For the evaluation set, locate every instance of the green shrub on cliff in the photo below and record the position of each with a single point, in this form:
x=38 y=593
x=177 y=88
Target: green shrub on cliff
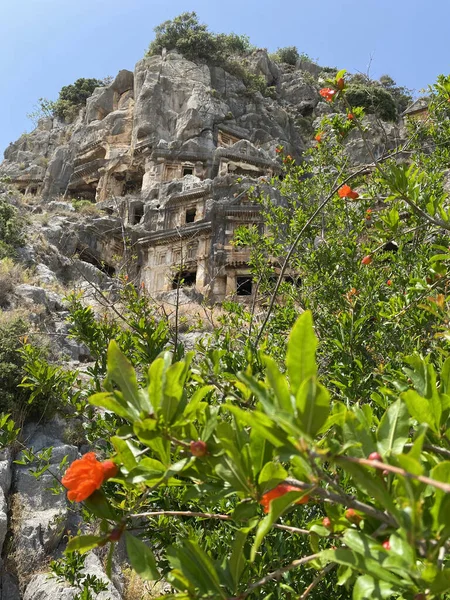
x=12 y=398
x=10 y=229
x=374 y=99
x=189 y=37
x=71 y=98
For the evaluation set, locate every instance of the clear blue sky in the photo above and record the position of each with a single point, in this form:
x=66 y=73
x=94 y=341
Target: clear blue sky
x=45 y=44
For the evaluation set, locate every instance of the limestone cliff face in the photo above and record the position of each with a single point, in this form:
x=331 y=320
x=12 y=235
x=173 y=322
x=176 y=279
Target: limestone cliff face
x=163 y=150
x=169 y=108
x=169 y=152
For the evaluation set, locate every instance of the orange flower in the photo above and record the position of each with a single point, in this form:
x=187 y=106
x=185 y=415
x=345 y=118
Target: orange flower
x=366 y=260
x=389 y=282
x=287 y=159
x=86 y=475
x=350 y=116
x=278 y=149
x=280 y=490
x=340 y=83
x=346 y=192
x=318 y=137
x=328 y=94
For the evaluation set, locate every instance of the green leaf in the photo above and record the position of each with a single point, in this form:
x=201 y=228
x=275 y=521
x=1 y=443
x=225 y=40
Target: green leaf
x=441 y=582
x=172 y=391
x=141 y=558
x=441 y=507
x=237 y=561
x=363 y=564
x=260 y=423
x=313 y=404
x=301 y=352
x=420 y=408
x=98 y=505
x=114 y=402
x=445 y=377
x=197 y=568
x=368 y=588
x=393 y=430
x=244 y=511
x=149 y=469
x=83 y=543
x=370 y=483
x=355 y=433
x=124 y=452
x=195 y=401
x=121 y=371
x=279 y=384
x=109 y=561
x=156 y=376
x=363 y=544
x=271 y=475
x=278 y=506
x=233 y=475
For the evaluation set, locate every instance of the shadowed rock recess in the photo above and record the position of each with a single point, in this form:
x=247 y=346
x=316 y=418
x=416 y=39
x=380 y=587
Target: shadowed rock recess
x=166 y=155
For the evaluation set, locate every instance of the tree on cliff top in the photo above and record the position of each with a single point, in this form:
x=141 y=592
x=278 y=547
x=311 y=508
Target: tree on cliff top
x=189 y=37
x=71 y=98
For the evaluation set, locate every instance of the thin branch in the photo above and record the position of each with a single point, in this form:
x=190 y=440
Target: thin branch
x=202 y=515
x=376 y=464
x=344 y=499
x=276 y=575
x=317 y=580
x=431 y=448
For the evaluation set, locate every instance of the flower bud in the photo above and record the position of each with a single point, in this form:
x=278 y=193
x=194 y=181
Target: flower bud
x=375 y=456
x=198 y=448
x=352 y=516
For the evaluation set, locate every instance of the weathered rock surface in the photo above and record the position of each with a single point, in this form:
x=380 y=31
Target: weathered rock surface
x=40 y=517
x=43 y=587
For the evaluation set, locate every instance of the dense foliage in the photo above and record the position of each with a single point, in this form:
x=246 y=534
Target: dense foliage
x=11 y=235
x=11 y=366
x=189 y=37
x=71 y=98
x=288 y=55
x=303 y=448
x=384 y=98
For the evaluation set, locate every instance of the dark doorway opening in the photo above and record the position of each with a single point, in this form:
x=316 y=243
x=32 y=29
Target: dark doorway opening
x=244 y=285
x=190 y=215
x=184 y=279
x=138 y=213
x=188 y=171
x=133 y=182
